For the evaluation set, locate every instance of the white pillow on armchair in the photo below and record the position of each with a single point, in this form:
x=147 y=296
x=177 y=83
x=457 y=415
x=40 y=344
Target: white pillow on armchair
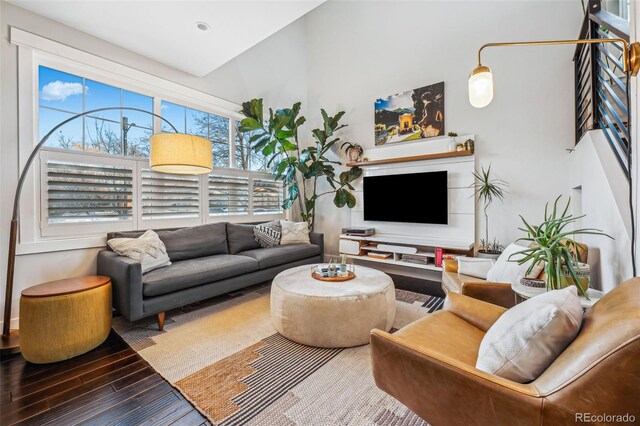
x=506 y=271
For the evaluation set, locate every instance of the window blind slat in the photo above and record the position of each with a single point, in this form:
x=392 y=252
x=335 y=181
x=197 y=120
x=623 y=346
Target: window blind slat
x=267 y=196
x=80 y=192
x=166 y=195
x=228 y=195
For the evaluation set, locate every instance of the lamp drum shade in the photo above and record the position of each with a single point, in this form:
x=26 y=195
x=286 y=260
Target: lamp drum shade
x=180 y=154
x=480 y=87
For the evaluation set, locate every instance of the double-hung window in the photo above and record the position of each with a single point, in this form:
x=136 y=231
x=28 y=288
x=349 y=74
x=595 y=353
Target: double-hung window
x=94 y=171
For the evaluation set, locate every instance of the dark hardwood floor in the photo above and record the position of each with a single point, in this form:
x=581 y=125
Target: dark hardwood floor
x=111 y=385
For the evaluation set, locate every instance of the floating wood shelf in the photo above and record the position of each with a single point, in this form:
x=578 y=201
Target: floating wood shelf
x=411 y=158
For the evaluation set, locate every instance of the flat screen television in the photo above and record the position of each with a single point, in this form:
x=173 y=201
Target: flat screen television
x=410 y=198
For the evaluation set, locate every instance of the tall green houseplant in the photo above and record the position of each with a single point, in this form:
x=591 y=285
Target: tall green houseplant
x=488 y=189
x=300 y=169
x=551 y=243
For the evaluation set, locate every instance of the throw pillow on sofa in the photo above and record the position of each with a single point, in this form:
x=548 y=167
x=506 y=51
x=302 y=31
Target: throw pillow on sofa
x=268 y=234
x=474 y=266
x=527 y=338
x=508 y=271
x=148 y=249
x=294 y=232
x=240 y=238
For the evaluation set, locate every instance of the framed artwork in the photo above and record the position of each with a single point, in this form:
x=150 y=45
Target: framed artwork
x=411 y=115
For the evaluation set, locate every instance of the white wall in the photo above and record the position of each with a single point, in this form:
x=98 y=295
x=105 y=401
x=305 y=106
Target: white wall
x=604 y=199
x=276 y=70
x=288 y=77
x=359 y=51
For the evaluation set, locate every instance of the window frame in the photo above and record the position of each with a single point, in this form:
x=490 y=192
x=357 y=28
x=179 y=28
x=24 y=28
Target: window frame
x=34 y=51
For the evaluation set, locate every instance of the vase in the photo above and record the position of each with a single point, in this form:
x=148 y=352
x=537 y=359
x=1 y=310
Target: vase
x=354 y=154
x=453 y=144
x=583 y=272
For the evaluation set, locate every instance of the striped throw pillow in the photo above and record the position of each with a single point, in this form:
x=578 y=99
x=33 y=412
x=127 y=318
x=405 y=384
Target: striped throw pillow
x=268 y=234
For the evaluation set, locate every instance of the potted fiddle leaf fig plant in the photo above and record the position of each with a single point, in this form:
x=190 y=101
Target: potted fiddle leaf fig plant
x=301 y=170
x=488 y=189
x=353 y=150
x=551 y=243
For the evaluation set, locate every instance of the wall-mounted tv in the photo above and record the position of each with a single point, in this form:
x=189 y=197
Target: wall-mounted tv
x=410 y=198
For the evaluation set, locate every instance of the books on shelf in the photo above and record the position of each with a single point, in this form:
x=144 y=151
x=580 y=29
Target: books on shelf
x=376 y=255
x=421 y=260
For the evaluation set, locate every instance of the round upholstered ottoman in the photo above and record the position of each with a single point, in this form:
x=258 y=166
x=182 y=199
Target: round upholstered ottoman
x=65 y=318
x=332 y=314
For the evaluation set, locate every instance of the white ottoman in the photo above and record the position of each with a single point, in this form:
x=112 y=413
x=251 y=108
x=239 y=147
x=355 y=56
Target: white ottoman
x=328 y=314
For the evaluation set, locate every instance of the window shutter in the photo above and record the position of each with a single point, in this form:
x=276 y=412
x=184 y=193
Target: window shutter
x=79 y=192
x=167 y=195
x=228 y=195
x=267 y=196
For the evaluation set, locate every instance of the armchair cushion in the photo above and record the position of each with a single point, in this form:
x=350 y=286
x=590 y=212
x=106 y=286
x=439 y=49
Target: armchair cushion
x=475 y=266
x=527 y=338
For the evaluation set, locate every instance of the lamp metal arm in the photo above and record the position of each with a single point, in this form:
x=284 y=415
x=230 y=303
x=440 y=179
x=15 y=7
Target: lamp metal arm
x=625 y=48
x=13 y=234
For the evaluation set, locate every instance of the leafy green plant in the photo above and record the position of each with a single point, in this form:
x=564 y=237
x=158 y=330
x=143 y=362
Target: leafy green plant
x=553 y=245
x=298 y=168
x=452 y=134
x=488 y=189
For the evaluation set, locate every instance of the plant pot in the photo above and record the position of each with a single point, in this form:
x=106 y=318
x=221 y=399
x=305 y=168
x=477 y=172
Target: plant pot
x=489 y=254
x=583 y=271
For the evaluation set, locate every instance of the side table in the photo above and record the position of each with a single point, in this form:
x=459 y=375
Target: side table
x=523 y=293
x=65 y=318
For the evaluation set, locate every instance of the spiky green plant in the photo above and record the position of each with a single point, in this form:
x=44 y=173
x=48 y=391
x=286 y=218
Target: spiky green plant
x=488 y=189
x=554 y=246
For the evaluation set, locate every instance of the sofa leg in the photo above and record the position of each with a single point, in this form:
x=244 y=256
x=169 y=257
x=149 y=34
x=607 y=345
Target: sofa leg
x=160 y=319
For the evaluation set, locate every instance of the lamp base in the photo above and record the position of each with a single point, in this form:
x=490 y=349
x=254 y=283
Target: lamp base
x=11 y=344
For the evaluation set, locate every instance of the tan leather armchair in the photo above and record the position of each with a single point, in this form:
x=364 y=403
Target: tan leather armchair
x=497 y=293
x=429 y=366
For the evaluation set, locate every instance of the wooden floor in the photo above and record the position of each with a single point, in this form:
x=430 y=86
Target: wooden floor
x=110 y=385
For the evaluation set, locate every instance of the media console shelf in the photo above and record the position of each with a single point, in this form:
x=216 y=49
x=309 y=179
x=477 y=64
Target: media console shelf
x=420 y=251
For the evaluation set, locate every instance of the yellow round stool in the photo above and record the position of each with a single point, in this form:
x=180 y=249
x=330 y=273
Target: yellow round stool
x=65 y=318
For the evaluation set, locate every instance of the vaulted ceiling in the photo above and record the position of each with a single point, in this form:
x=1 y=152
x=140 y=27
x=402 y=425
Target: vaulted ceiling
x=168 y=32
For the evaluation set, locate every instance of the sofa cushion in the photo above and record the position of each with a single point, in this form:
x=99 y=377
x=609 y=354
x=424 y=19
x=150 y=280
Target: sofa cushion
x=193 y=272
x=445 y=333
x=269 y=257
x=195 y=241
x=187 y=243
x=240 y=238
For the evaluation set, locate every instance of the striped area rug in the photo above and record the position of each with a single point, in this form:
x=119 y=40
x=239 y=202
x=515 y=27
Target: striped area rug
x=227 y=359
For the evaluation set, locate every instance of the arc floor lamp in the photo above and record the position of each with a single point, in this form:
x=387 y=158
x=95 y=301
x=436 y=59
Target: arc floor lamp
x=170 y=153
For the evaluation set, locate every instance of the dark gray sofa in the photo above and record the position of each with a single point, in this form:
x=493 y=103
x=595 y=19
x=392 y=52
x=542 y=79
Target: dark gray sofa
x=207 y=260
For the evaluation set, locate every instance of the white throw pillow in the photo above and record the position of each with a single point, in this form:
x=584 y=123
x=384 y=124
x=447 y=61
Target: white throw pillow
x=148 y=249
x=508 y=271
x=527 y=338
x=474 y=266
x=294 y=233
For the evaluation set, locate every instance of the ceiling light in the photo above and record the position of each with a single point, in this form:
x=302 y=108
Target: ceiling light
x=203 y=26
